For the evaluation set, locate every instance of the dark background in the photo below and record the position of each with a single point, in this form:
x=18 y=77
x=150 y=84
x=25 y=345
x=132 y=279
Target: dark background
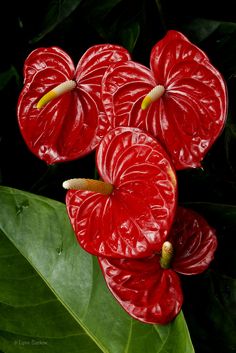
x=210 y=304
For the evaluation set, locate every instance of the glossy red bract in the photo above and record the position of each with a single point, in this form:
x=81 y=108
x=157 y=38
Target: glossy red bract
x=150 y=293
x=194 y=242
x=135 y=219
x=67 y=127
x=190 y=115
x=146 y=291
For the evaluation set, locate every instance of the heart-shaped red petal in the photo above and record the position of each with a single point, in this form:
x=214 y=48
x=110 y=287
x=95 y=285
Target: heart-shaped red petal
x=146 y=291
x=123 y=88
x=66 y=128
x=191 y=113
x=194 y=242
x=134 y=220
x=48 y=58
x=174 y=49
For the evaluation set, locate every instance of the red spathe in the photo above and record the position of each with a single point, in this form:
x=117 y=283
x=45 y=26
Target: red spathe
x=150 y=293
x=67 y=127
x=191 y=113
x=134 y=220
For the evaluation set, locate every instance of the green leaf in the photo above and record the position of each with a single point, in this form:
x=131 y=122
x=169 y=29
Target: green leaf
x=39 y=228
x=201 y=28
x=218 y=39
x=31 y=316
x=210 y=297
x=223 y=218
x=129 y=35
x=7 y=76
x=54 y=13
x=209 y=307
x=97 y=10
x=115 y=21
x=230 y=142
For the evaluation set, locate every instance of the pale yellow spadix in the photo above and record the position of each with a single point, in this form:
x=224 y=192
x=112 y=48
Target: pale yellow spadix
x=57 y=91
x=152 y=96
x=166 y=254
x=172 y=176
x=88 y=185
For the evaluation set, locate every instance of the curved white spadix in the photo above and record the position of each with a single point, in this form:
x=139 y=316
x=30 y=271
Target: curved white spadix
x=152 y=96
x=88 y=185
x=64 y=87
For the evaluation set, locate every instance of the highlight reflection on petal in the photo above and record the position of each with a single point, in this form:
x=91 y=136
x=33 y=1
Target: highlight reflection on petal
x=191 y=113
x=146 y=291
x=194 y=242
x=66 y=128
x=134 y=220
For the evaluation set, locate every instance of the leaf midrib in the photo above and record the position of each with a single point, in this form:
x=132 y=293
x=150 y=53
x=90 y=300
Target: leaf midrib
x=87 y=331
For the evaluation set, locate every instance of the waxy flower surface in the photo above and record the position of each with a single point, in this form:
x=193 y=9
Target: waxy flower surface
x=132 y=217
x=149 y=289
x=144 y=124
x=59 y=109
x=181 y=99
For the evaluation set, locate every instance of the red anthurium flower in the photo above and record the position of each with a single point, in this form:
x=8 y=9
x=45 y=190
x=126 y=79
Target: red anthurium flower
x=194 y=242
x=130 y=212
x=149 y=289
x=59 y=108
x=181 y=100
x=145 y=290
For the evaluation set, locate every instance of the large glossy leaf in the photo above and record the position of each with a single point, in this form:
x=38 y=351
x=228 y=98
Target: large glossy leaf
x=214 y=295
x=104 y=17
x=230 y=139
x=129 y=35
x=53 y=14
x=214 y=292
x=97 y=10
x=40 y=230
x=218 y=40
x=7 y=76
x=32 y=318
x=223 y=218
